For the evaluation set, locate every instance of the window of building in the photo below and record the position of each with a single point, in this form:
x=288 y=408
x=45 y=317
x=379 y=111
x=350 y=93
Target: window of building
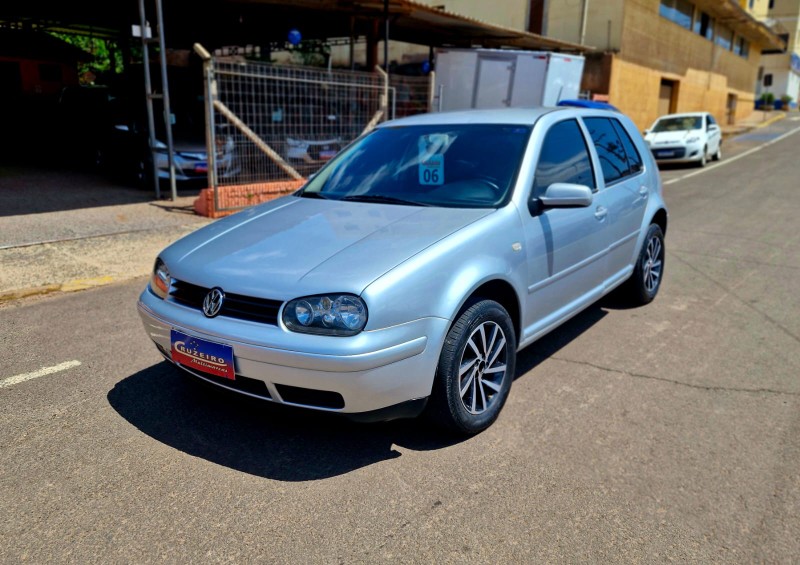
x=768 y=79
x=678 y=11
x=741 y=47
x=771 y=4
x=704 y=25
x=564 y=158
x=50 y=72
x=724 y=37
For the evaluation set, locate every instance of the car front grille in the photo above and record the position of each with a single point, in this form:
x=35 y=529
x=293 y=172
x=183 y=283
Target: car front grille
x=262 y=310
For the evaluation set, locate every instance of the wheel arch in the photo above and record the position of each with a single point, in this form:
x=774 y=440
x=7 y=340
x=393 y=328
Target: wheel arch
x=660 y=218
x=502 y=292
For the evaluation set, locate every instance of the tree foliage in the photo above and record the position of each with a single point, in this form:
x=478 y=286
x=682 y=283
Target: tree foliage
x=106 y=52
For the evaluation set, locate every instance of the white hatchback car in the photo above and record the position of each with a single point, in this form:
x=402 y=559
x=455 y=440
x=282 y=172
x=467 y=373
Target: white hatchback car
x=685 y=138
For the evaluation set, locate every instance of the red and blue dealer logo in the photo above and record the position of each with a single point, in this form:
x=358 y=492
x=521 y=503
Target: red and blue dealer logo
x=201 y=355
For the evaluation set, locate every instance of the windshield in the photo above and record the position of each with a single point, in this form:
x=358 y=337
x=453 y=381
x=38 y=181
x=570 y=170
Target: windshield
x=456 y=166
x=678 y=124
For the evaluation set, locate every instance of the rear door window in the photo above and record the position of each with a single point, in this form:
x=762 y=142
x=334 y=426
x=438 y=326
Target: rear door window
x=634 y=158
x=615 y=149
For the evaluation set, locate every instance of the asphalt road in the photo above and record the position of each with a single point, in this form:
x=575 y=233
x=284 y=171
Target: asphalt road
x=669 y=432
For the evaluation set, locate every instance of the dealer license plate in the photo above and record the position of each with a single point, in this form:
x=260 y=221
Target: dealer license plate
x=666 y=153
x=202 y=355
x=201 y=167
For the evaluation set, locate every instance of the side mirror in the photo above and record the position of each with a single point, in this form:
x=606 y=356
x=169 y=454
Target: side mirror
x=566 y=195
x=647 y=131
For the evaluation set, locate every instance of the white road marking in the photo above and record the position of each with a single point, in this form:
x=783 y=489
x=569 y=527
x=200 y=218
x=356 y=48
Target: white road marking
x=794 y=119
x=734 y=158
x=11 y=381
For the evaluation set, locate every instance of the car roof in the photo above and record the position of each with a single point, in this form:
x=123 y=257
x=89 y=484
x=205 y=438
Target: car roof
x=683 y=115
x=521 y=116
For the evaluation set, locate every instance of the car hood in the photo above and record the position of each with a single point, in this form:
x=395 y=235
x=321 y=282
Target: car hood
x=666 y=137
x=297 y=246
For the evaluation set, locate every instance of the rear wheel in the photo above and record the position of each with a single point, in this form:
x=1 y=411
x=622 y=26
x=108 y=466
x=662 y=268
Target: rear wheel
x=718 y=154
x=475 y=369
x=704 y=157
x=645 y=281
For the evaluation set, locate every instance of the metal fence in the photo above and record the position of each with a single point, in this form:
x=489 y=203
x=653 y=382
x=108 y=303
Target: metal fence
x=273 y=123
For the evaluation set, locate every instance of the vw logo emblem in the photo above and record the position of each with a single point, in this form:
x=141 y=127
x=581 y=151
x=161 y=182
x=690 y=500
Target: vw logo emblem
x=212 y=303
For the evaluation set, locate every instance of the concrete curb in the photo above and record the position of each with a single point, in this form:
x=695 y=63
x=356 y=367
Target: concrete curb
x=771 y=121
x=69 y=286
x=751 y=127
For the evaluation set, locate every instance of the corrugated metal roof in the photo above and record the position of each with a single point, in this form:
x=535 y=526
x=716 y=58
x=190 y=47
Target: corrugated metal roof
x=414 y=22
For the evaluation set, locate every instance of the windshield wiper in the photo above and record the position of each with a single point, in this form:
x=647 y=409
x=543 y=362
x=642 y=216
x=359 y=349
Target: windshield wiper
x=382 y=199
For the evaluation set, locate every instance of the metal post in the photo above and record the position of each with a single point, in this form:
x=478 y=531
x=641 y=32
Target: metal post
x=211 y=95
x=386 y=35
x=167 y=112
x=584 y=14
x=151 y=127
x=352 y=43
x=431 y=92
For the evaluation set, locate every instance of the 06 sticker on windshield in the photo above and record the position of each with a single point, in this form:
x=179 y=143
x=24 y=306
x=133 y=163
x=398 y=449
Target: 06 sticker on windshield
x=431 y=158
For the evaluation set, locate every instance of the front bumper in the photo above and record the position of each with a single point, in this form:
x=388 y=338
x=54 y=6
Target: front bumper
x=677 y=154
x=372 y=371
x=194 y=166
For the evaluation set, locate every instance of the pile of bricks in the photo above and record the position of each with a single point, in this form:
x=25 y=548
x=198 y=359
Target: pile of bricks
x=233 y=198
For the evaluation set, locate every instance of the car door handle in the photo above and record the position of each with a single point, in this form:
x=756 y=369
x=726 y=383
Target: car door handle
x=643 y=191
x=600 y=213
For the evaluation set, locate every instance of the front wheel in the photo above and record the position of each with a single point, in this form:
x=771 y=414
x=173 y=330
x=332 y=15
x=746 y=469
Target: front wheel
x=475 y=369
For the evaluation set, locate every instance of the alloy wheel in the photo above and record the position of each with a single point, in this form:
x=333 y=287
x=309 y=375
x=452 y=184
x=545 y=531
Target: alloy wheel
x=652 y=264
x=482 y=368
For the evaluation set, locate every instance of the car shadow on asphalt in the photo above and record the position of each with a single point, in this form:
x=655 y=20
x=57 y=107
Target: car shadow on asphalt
x=284 y=443
x=256 y=436
x=547 y=346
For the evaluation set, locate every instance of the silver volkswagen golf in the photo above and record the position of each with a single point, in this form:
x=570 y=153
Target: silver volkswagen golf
x=405 y=276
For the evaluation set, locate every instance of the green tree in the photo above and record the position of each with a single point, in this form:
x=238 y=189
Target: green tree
x=106 y=52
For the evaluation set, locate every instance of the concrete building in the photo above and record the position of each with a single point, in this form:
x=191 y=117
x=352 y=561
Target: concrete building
x=780 y=68
x=662 y=56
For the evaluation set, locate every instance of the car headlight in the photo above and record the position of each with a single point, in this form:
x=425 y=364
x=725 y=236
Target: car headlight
x=328 y=314
x=160 y=281
x=693 y=139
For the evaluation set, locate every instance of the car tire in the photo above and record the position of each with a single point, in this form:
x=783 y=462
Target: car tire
x=142 y=173
x=475 y=370
x=704 y=157
x=648 y=272
x=718 y=154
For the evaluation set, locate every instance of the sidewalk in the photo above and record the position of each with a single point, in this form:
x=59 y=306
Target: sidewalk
x=755 y=120
x=66 y=230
